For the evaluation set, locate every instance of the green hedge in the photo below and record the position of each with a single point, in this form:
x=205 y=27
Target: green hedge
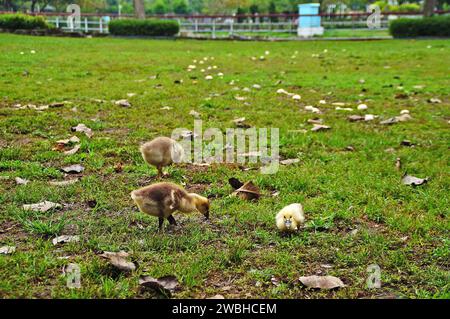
x=150 y=27
x=438 y=26
x=22 y=21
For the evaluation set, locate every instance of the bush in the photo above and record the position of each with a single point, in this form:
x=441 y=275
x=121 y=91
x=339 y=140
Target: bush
x=149 y=27
x=22 y=21
x=426 y=27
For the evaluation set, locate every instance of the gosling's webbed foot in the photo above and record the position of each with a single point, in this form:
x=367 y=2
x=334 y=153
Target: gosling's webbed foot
x=172 y=220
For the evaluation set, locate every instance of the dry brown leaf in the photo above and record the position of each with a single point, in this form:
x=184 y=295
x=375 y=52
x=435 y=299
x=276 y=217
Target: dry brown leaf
x=123 y=103
x=84 y=129
x=7 y=250
x=73 y=139
x=41 y=207
x=166 y=284
x=321 y=282
x=73 y=150
x=117 y=259
x=21 y=181
x=65 y=239
x=73 y=169
x=216 y=297
x=413 y=181
x=64 y=183
x=248 y=191
x=289 y=161
x=318 y=127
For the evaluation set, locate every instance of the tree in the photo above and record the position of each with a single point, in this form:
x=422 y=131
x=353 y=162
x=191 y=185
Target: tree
x=254 y=10
x=160 y=7
x=239 y=12
x=180 y=7
x=273 y=10
x=139 y=10
x=428 y=8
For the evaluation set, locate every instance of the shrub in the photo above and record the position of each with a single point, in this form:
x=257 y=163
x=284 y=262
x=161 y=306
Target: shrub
x=433 y=26
x=22 y=21
x=150 y=27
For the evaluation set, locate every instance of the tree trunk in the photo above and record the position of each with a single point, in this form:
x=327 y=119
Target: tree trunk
x=139 y=10
x=33 y=5
x=428 y=7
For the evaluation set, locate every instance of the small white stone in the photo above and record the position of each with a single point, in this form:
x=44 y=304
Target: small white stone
x=296 y=97
x=362 y=107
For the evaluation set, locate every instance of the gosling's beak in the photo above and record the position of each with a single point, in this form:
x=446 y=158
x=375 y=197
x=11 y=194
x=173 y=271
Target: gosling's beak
x=288 y=224
x=207 y=214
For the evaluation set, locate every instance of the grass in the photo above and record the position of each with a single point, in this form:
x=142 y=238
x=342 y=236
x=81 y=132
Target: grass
x=328 y=33
x=404 y=230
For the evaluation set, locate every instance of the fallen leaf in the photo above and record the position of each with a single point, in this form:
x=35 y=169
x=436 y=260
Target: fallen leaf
x=248 y=191
x=289 y=161
x=64 y=183
x=123 y=103
x=21 y=181
x=355 y=118
x=117 y=259
x=73 y=139
x=413 y=181
x=41 y=207
x=315 y=121
x=166 y=284
x=321 y=282
x=7 y=250
x=73 y=150
x=84 y=129
x=216 y=297
x=434 y=100
x=73 y=169
x=318 y=127
x=235 y=183
x=389 y=121
x=344 y=108
x=65 y=239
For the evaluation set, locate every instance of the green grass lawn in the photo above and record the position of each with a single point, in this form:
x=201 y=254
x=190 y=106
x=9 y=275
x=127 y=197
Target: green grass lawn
x=358 y=212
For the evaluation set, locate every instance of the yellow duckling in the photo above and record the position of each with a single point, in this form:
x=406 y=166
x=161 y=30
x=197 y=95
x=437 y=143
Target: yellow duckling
x=290 y=218
x=163 y=199
x=162 y=151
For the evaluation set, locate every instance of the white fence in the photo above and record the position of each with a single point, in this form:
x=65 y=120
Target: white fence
x=91 y=24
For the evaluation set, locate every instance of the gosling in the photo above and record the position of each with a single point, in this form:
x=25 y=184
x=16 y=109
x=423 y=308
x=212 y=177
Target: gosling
x=163 y=199
x=290 y=218
x=162 y=151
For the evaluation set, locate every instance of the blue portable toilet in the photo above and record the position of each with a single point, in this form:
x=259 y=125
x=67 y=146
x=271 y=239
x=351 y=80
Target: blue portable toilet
x=310 y=24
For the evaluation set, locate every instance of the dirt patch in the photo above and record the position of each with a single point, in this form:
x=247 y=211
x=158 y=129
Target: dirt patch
x=11 y=230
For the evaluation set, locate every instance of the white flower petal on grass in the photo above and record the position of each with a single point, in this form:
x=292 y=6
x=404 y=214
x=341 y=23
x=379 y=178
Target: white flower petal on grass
x=296 y=97
x=208 y=77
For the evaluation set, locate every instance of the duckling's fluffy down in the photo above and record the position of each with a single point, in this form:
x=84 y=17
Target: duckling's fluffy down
x=162 y=151
x=290 y=218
